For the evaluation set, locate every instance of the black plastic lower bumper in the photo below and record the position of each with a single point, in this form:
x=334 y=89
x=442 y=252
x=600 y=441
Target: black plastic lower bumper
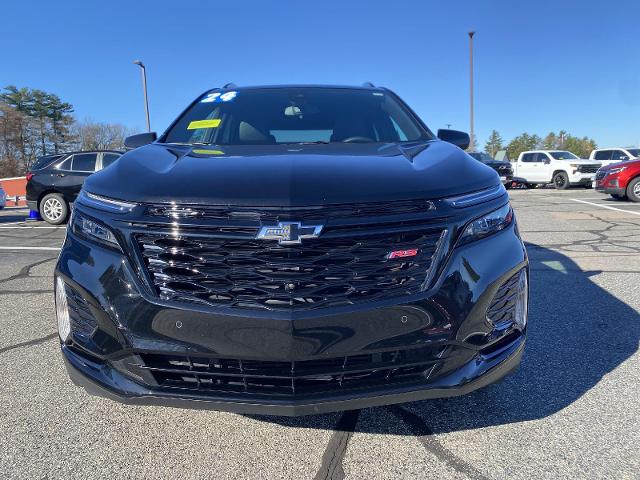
x=101 y=380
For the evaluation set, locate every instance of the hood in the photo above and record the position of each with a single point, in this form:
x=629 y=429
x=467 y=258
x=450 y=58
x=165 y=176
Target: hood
x=291 y=175
x=498 y=163
x=609 y=164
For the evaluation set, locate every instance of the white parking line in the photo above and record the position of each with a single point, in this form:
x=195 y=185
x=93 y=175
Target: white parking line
x=606 y=206
x=23 y=227
x=12 y=223
x=55 y=249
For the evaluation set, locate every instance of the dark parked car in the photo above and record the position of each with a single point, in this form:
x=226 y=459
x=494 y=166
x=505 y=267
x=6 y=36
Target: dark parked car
x=55 y=181
x=292 y=250
x=504 y=169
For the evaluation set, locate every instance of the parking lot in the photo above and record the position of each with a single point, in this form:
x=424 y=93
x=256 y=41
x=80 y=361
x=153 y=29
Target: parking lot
x=570 y=412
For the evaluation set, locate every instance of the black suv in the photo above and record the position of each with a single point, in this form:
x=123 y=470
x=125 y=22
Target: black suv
x=504 y=169
x=55 y=181
x=292 y=250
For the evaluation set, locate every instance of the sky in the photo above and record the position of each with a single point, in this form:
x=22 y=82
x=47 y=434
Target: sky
x=540 y=66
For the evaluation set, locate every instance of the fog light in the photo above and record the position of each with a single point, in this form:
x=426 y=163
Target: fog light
x=62 y=310
x=522 y=300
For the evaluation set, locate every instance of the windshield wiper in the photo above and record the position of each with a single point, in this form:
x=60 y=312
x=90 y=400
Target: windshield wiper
x=318 y=142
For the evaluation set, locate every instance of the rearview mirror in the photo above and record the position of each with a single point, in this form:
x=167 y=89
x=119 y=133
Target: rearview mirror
x=459 y=139
x=140 y=140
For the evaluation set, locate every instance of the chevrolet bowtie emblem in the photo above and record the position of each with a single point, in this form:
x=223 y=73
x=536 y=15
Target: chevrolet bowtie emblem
x=289 y=232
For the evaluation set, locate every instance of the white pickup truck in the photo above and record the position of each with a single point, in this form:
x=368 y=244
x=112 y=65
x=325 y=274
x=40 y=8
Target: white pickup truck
x=562 y=168
x=607 y=156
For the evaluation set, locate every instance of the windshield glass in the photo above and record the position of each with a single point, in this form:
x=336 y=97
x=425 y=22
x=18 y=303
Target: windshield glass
x=483 y=157
x=270 y=116
x=563 y=156
x=634 y=152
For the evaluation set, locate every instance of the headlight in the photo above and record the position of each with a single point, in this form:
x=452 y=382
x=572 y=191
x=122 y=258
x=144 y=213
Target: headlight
x=616 y=170
x=487 y=225
x=62 y=310
x=103 y=203
x=93 y=230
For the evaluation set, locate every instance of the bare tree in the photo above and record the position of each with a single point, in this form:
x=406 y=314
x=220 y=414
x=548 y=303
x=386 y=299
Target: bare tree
x=91 y=135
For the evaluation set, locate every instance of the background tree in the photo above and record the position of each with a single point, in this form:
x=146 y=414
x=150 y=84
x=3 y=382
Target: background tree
x=90 y=135
x=522 y=143
x=494 y=144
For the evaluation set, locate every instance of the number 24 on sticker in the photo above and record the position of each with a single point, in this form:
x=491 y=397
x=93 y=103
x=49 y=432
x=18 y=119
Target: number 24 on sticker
x=216 y=97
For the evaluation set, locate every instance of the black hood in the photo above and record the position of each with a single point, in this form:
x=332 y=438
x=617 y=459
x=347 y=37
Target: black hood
x=291 y=175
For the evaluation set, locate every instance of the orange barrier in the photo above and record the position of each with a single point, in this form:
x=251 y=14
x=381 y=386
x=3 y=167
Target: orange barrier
x=15 y=187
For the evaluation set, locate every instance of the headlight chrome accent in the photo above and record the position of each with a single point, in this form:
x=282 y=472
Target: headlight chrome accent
x=475 y=198
x=616 y=170
x=105 y=204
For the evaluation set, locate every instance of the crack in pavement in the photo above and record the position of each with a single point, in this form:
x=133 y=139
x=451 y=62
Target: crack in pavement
x=426 y=437
x=331 y=466
x=29 y=343
x=26 y=270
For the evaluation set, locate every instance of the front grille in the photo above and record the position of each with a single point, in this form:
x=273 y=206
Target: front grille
x=83 y=324
x=504 y=170
x=588 y=168
x=275 y=214
x=212 y=374
x=601 y=174
x=262 y=274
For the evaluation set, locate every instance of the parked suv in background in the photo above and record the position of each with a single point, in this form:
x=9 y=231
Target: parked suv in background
x=620 y=180
x=562 y=168
x=55 y=181
x=504 y=169
x=292 y=250
x=608 y=156
x=3 y=198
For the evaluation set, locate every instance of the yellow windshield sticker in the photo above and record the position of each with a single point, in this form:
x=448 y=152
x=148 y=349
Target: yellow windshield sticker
x=213 y=123
x=208 y=152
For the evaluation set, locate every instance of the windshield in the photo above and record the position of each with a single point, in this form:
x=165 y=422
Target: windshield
x=270 y=116
x=634 y=152
x=563 y=156
x=483 y=157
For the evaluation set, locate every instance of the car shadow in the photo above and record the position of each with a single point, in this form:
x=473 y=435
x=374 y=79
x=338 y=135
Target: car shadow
x=578 y=332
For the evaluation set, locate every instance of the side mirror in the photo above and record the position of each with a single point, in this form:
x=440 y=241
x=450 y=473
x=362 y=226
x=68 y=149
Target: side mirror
x=459 y=139
x=140 y=140
x=624 y=158
x=547 y=161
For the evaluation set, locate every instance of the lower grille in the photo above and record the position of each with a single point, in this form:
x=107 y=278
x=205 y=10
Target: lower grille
x=209 y=374
x=83 y=324
x=262 y=274
x=502 y=311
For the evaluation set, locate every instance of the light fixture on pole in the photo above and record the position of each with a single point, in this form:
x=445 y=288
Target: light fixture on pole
x=472 y=136
x=144 y=89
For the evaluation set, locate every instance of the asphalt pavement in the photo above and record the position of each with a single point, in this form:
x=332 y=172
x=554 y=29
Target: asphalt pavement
x=570 y=412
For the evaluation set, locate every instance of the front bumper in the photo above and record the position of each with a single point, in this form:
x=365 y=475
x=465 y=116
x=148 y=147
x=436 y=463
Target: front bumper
x=100 y=380
x=580 y=178
x=450 y=317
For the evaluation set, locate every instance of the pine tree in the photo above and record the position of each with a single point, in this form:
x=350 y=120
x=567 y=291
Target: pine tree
x=494 y=144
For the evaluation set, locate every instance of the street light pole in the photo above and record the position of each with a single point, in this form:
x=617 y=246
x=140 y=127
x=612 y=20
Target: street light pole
x=144 y=89
x=472 y=136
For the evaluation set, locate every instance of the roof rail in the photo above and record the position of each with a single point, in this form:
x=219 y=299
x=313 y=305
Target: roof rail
x=230 y=85
x=368 y=84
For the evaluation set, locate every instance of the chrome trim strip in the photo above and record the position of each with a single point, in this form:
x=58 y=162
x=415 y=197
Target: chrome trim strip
x=104 y=203
x=475 y=198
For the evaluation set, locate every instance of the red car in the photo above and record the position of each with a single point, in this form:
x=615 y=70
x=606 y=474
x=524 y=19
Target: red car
x=620 y=180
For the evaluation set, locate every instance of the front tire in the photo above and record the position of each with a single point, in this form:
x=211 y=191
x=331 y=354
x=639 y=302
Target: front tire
x=561 y=181
x=633 y=190
x=54 y=209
